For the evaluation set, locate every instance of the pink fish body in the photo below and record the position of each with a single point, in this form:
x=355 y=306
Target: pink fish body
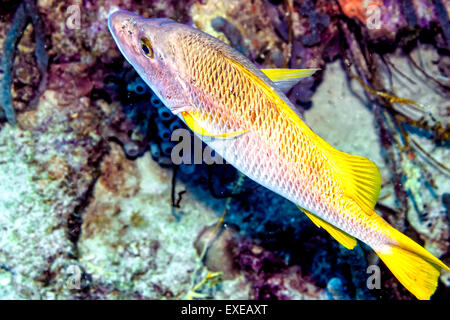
x=242 y=113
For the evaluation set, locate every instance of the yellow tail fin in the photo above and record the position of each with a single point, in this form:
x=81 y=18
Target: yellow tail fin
x=415 y=268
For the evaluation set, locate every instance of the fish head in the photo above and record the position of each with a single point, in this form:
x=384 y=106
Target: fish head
x=149 y=46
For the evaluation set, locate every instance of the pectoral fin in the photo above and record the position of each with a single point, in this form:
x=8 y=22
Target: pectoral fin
x=192 y=120
x=340 y=236
x=285 y=79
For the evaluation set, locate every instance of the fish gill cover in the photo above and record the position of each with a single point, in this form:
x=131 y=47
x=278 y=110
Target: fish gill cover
x=93 y=207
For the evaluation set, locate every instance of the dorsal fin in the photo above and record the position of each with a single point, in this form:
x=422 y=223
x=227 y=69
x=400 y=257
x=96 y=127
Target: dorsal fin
x=342 y=237
x=285 y=79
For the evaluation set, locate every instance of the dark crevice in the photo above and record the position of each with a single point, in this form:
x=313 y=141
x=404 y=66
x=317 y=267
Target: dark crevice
x=75 y=219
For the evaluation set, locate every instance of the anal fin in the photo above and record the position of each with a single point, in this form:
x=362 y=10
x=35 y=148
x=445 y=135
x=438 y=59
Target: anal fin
x=340 y=236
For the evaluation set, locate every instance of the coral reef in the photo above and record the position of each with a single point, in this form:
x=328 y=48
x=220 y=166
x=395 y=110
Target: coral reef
x=45 y=181
x=134 y=246
x=92 y=207
x=26 y=10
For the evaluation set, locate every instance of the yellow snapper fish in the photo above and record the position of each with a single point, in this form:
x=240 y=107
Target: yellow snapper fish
x=242 y=113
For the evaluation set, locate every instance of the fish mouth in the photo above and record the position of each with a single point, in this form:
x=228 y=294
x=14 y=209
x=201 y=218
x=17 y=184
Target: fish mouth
x=124 y=28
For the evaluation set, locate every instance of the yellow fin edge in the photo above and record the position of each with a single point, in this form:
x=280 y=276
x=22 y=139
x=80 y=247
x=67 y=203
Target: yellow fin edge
x=193 y=124
x=416 y=268
x=418 y=275
x=287 y=74
x=340 y=236
x=360 y=177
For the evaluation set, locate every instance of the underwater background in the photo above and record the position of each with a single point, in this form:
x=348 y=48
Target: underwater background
x=91 y=206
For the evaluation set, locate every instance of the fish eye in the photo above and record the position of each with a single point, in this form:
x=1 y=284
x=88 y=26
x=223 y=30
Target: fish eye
x=146 y=47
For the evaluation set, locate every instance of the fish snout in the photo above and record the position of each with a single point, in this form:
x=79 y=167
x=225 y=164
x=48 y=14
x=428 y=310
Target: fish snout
x=123 y=22
x=125 y=28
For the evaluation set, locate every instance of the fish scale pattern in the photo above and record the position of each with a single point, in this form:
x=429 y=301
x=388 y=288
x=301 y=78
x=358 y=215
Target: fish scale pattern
x=275 y=151
x=227 y=100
